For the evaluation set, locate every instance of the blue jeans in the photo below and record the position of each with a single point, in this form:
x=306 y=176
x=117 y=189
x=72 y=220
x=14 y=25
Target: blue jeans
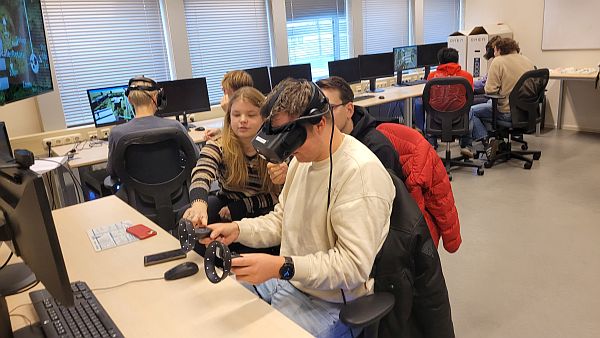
x=318 y=317
x=482 y=113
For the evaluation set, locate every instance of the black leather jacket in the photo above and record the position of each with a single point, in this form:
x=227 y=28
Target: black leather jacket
x=408 y=266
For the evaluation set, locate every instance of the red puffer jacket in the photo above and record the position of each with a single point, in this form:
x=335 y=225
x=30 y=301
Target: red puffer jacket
x=427 y=182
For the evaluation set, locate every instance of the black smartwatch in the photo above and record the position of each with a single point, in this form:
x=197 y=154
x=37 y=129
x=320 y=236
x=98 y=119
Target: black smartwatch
x=286 y=272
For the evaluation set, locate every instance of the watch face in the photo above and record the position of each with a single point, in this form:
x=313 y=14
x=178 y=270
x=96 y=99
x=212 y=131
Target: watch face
x=287 y=272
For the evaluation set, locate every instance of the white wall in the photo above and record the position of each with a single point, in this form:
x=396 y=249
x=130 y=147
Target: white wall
x=21 y=117
x=582 y=102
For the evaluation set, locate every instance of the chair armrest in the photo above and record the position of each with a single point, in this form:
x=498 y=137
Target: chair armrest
x=494 y=96
x=367 y=310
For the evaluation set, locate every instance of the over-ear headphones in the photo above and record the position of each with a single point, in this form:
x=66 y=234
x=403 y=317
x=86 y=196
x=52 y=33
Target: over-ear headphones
x=277 y=144
x=161 y=99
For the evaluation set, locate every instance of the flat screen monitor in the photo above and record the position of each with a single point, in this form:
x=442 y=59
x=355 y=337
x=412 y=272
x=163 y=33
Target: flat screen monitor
x=110 y=106
x=346 y=69
x=280 y=73
x=405 y=58
x=26 y=213
x=374 y=66
x=24 y=63
x=185 y=96
x=260 y=78
x=6 y=153
x=427 y=54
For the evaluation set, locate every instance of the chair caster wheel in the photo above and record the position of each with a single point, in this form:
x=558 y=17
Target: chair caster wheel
x=487 y=164
x=527 y=165
x=524 y=147
x=480 y=172
x=537 y=156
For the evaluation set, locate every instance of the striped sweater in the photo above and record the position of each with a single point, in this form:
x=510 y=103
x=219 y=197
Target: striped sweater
x=244 y=200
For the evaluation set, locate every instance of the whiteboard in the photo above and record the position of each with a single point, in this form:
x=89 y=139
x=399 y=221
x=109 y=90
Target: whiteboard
x=571 y=24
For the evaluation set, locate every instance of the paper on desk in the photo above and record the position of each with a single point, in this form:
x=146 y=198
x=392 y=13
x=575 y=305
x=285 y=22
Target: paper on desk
x=110 y=236
x=43 y=165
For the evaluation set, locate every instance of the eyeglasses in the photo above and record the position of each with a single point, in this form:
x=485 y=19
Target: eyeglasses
x=333 y=106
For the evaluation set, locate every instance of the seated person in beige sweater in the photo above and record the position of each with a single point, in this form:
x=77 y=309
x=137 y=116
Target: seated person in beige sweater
x=327 y=251
x=505 y=70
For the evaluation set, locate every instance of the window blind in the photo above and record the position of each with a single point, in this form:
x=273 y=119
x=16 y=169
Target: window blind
x=102 y=43
x=440 y=18
x=317 y=33
x=226 y=35
x=385 y=25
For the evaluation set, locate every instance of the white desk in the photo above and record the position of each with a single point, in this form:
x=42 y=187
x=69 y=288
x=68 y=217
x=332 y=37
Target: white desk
x=564 y=76
x=392 y=94
x=188 y=307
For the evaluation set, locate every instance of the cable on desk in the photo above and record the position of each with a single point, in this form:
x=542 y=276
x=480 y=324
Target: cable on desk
x=128 y=282
x=22 y=316
x=7 y=260
x=16 y=307
x=79 y=197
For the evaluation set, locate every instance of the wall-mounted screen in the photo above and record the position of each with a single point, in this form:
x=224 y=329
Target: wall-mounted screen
x=24 y=63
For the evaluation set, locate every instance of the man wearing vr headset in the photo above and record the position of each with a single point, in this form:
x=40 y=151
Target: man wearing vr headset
x=145 y=96
x=328 y=240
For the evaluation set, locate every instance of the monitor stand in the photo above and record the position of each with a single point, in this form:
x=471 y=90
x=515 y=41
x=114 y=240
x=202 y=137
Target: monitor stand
x=373 y=86
x=185 y=123
x=13 y=278
x=398 y=78
x=427 y=70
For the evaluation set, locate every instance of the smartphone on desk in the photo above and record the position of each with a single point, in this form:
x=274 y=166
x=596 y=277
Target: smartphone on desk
x=165 y=256
x=141 y=231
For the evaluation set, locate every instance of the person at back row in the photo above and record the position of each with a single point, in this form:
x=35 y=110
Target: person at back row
x=448 y=60
x=505 y=70
x=143 y=96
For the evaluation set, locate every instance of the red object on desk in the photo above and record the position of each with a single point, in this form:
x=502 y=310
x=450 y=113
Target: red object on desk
x=141 y=231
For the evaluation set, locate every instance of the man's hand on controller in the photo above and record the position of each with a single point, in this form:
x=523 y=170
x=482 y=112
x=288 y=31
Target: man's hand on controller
x=223 y=232
x=256 y=268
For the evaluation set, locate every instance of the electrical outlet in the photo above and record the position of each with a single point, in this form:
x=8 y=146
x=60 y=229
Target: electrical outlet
x=61 y=140
x=104 y=132
x=92 y=135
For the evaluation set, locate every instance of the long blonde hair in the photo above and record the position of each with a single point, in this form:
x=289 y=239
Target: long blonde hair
x=233 y=153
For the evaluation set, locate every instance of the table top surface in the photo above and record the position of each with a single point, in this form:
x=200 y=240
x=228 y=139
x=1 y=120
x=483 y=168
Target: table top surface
x=566 y=74
x=391 y=94
x=186 y=307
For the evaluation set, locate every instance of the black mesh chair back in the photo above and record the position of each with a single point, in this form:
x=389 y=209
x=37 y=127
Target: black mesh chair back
x=154 y=168
x=447 y=102
x=525 y=100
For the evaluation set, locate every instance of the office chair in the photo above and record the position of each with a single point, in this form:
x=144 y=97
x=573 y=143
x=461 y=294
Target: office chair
x=527 y=105
x=154 y=168
x=411 y=298
x=447 y=102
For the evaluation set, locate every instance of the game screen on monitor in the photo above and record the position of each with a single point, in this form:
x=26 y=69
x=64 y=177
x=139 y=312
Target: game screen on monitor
x=110 y=106
x=24 y=65
x=405 y=57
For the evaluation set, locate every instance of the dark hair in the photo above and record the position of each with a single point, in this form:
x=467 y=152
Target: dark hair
x=447 y=55
x=339 y=84
x=489 y=47
x=507 y=46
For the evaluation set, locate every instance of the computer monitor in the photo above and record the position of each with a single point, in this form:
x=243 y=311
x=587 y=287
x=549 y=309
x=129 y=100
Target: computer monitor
x=346 y=69
x=280 y=73
x=185 y=96
x=373 y=66
x=6 y=153
x=26 y=225
x=110 y=106
x=405 y=58
x=427 y=54
x=260 y=77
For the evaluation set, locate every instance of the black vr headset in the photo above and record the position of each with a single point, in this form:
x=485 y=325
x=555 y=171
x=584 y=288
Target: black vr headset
x=277 y=144
x=161 y=98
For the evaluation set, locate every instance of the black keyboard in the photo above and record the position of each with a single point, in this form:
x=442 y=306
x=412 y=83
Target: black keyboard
x=363 y=97
x=413 y=82
x=87 y=318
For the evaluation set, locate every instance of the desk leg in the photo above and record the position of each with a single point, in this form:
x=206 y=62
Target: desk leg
x=559 y=115
x=408 y=112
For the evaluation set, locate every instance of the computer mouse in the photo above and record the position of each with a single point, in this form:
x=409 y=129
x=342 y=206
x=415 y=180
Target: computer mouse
x=381 y=97
x=201 y=128
x=182 y=270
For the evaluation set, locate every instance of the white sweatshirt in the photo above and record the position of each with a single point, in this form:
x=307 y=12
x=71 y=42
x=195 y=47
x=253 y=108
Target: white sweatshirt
x=331 y=250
